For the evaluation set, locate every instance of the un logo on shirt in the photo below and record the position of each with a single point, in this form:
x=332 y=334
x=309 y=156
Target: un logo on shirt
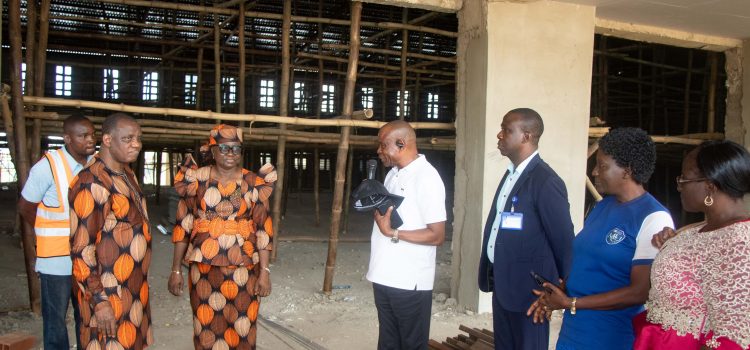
x=615 y=236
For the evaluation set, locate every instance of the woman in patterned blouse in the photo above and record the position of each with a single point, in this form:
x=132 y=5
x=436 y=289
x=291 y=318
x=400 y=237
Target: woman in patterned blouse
x=700 y=281
x=224 y=232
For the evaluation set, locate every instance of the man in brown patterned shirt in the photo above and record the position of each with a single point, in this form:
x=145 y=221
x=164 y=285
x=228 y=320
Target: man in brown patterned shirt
x=111 y=243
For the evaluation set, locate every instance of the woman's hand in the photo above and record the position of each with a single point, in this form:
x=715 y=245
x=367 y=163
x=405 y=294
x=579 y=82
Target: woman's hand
x=662 y=237
x=554 y=298
x=263 y=286
x=174 y=284
x=539 y=311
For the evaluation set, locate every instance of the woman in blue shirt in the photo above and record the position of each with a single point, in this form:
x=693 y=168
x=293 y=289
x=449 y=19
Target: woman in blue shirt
x=612 y=255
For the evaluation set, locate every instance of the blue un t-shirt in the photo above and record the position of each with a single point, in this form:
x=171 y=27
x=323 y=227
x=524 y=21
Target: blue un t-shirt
x=615 y=237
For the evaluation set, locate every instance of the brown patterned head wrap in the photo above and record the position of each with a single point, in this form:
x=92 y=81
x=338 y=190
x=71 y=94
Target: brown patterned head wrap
x=223 y=133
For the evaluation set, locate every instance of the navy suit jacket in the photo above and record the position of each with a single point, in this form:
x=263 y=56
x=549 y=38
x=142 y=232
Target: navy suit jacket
x=543 y=245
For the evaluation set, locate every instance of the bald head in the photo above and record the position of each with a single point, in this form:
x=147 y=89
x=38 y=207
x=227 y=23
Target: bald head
x=398 y=144
x=400 y=130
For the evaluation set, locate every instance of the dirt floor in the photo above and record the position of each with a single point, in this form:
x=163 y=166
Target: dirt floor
x=296 y=315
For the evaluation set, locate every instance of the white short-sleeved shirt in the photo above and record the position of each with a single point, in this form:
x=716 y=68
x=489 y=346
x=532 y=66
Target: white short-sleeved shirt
x=407 y=265
x=40 y=188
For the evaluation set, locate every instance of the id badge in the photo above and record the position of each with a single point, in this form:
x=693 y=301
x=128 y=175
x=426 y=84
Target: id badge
x=511 y=221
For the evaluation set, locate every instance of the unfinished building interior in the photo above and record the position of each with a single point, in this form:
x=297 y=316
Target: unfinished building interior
x=311 y=96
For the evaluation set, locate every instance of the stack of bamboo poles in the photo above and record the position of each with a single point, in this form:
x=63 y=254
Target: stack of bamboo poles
x=478 y=339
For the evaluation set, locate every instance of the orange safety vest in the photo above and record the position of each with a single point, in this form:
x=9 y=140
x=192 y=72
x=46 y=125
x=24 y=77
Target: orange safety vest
x=52 y=225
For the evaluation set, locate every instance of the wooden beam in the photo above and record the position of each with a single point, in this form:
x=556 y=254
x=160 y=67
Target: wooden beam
x=22 y=160
x=242 y=75
x=341 y=156
x=60 y=102
x=283 y=112
x=217 y=64
x=275 y=16
x=394 y=52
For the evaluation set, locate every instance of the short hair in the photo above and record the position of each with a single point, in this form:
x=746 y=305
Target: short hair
x=113 y=120
x=72 y=120
x=532 y=122
x=631 y=148
x=727 y=165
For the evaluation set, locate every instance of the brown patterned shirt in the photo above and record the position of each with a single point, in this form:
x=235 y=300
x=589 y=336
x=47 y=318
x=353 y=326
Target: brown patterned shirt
x=111 y=252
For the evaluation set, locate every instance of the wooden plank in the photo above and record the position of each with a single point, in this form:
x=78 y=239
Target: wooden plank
x=434 y=345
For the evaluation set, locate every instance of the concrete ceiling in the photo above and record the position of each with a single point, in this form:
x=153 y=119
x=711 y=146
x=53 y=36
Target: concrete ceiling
x=724 y=18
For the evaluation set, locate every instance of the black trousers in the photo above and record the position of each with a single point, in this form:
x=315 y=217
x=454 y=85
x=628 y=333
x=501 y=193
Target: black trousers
x=516 y=331
x=404 y=317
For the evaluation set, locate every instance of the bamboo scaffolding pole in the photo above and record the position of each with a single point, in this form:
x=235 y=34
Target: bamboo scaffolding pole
x=592 y=189
x=242 y=74
x=199 y=83
x=688 y=76
x=416 y=21
x=394 y=52
x=590 y=186
x=60 y=102
x=157 y=174
x=377 y=65
x=283 y=112
x=710 y=126
x=10 y=134
x=125 y=23
x=348 y=192
x=341 y=156
x=22 y=160
x=404 y=51
x=319 y=106
x=279 y=17
x=170 y=159
x=266 y=68
x=217 y=65
x=30 y=52
x=162 y=127
x=40 y=62
x=626 y=58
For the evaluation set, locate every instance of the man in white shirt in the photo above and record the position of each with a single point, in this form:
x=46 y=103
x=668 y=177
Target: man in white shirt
x=402 y=260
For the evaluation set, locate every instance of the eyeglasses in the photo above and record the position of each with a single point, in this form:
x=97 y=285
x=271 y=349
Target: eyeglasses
x=681 y=180
x=225 y=149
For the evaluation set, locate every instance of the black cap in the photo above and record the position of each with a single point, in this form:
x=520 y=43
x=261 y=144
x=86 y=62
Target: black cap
x=371 y=194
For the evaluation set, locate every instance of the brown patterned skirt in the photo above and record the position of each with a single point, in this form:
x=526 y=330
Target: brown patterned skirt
x=224 y=306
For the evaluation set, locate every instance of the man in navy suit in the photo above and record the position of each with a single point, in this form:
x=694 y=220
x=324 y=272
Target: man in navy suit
x=528 y=229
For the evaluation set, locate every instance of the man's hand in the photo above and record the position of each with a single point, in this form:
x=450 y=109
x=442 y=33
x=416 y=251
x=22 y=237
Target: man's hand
x=105 y=319
x=384 y=222
x=174 y=284
x=662 y=237
x=263 y=285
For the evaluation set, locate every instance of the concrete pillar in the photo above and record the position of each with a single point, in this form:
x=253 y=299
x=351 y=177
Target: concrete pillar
x=745 y=98
x=745 y=91
x=511 y=54
x=736 y=117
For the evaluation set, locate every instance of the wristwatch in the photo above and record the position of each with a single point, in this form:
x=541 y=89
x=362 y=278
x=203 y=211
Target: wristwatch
x=394 y=238
x=573 y=305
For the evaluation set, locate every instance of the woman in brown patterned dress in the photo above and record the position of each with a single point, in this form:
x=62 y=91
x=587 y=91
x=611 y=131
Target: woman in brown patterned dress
x=224 y=232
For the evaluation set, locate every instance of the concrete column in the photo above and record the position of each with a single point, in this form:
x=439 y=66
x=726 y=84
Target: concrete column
x=736 y=117
x=745 y=98
x=512 y=54
x=745 y=91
